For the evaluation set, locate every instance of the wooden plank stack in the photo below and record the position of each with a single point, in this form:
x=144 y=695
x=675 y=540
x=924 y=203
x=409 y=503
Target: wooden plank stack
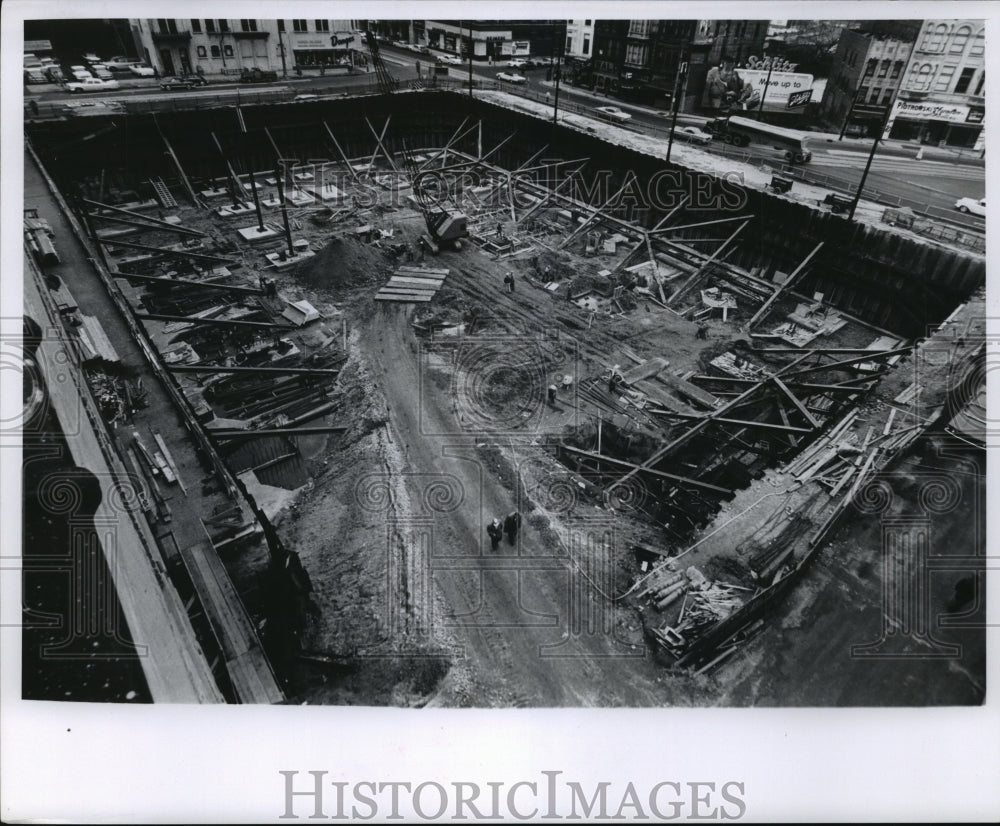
x=412 y=284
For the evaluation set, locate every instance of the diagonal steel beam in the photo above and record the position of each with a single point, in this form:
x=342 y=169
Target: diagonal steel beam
x=598 y=212
x=787 y=285
x=378 y=140
x=796 y=401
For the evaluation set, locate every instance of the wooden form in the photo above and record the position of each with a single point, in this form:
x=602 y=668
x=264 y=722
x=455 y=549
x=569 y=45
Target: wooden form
x=412 y=284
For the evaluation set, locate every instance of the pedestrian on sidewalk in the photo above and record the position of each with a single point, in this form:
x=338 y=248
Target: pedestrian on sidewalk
x=495 y=531
x=510 y=526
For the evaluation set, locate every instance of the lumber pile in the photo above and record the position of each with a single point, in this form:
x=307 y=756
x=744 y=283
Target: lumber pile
x=412 y=284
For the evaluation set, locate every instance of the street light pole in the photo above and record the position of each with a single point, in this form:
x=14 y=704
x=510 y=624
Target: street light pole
x=871 y=157
x=678 y=94
x=557 y=74
x=470 y=58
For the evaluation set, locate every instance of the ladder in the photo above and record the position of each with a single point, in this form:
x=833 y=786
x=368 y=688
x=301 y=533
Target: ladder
x=162 y=193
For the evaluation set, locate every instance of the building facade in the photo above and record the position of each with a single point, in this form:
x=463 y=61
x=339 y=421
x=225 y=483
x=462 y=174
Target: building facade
x=942 y=95
x=579 y=38
x=867 y=72
x=638 y=60
x=492 y=40
x=228 y=46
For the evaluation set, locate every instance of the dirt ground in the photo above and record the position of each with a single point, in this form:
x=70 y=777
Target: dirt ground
x=448 y=429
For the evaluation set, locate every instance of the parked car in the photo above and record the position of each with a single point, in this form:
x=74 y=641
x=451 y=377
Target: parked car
x=179 y=84
x=613 y=114
x=511 y=77
x=142 y=71
x=100 y=71
x=34 y=75
x=90 y=57
x=517 y=63
x=54 y=74
x=449 y=59
x=692 y=134
x=416 y=47
x=968 y=205
x=91 y=85
x=80 y=72
x=401 y=44
x=120 y=63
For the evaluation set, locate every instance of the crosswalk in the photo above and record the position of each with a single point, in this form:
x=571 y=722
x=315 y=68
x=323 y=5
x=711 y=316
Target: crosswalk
x=887 y=163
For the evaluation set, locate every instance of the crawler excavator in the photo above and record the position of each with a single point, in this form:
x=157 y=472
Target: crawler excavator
x=445 y=228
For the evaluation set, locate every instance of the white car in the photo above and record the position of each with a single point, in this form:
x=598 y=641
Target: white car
x=516 y=63
x=613 y=113
x=142 y=71
x=449 y=59
x=968 y=205
x=80 y=73
x=90 y=57
x=120 y=63
x=511 y=77
x=91 y=85
x=692 y=134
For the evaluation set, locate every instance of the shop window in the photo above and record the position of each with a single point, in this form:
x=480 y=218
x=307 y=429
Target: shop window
x=299 y=26
x=202 y=51
x=964 y=80
x=216 y=52
x=196 y=26
x=322 y=25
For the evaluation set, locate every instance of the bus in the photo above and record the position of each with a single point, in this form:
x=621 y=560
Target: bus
x=793 y=145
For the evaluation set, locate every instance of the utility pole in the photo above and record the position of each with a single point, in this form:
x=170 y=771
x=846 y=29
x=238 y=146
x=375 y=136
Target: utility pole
x=470 y=58
x=871 y=157
x=679 y=85
x=558 y=73
x=767 y=85
x=281 y=48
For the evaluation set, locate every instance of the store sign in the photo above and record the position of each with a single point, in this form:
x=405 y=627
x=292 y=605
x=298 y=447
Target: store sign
x=950 y=112
x=310 y=42
x=975 y=115
x=341 y=39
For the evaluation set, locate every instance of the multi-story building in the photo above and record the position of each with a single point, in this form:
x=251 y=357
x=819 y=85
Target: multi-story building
x=942 y=96
x=219 y=46
x=639 y=59
x=493 y=40
x=579 y=38
x=867 y=72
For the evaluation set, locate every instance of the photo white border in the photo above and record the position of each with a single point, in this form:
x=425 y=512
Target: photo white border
x=183 y=764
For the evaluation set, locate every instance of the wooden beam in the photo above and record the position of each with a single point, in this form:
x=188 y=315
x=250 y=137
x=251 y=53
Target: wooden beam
x=550 y=193
x=220 y=433
x=221 y=368
x=597 y=212
x=218 y=321
x=796 y=401
x=872 y=355
x=788 y=283
x=741 y=422
x=187 y=282
x=672 y=476
x=156 y=222
x=702 y=224
x=621 y=264
x=704 y=266
x=201 y=256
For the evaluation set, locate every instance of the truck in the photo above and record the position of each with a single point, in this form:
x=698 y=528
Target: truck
x=793 y=145
x=255 y=75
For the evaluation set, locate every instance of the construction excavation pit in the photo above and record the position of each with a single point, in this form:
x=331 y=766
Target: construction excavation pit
x=733 y=442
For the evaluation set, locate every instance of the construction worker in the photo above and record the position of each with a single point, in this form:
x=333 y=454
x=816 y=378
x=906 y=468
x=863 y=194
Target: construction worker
x=614 y=381
x=495 y=531
x=510 y=525
x=500 y=231
x=552 y=395
x=509 y=281
x=702 y=331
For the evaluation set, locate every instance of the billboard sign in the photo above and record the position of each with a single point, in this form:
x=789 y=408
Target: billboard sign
x=780 y=89
x=798 y=99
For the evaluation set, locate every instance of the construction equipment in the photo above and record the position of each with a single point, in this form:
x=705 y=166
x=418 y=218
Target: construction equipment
x=386 y=82
x=445 y=228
